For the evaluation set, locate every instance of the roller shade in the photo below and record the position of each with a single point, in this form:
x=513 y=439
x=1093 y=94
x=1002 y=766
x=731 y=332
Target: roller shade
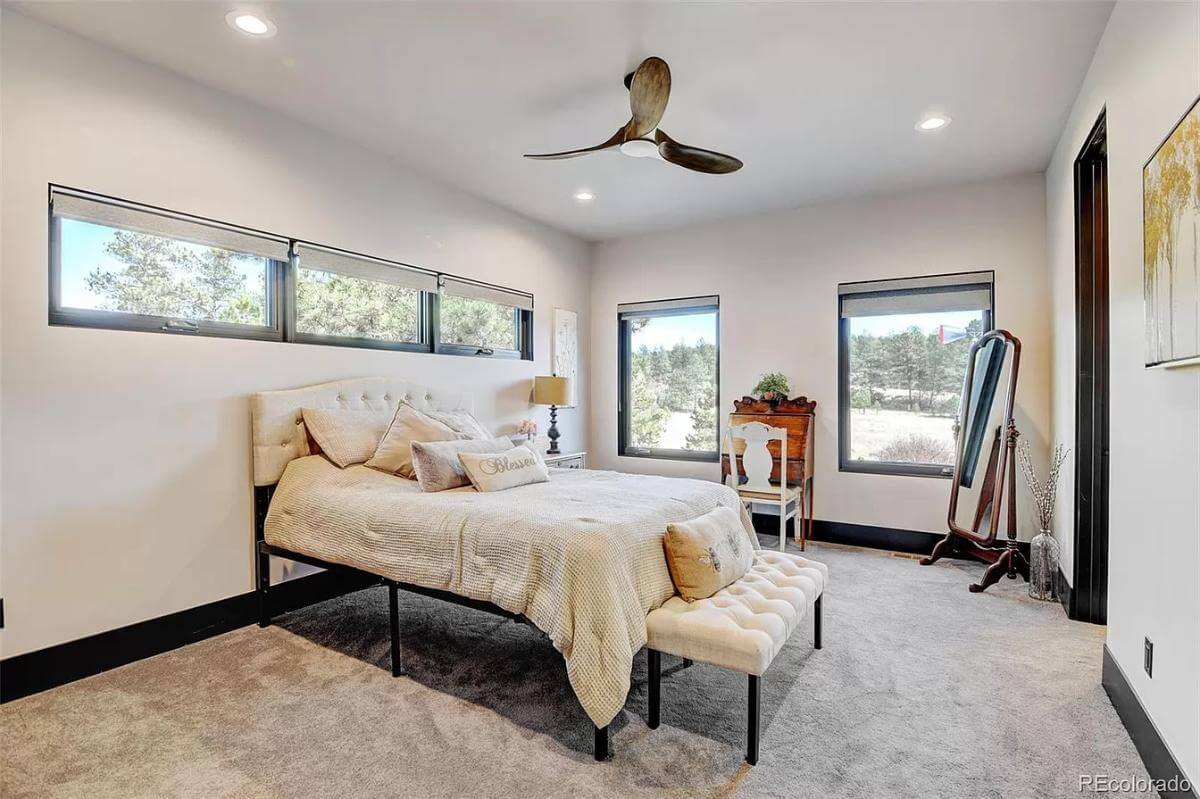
x=481 y=291
x=364 y=267
x=633 y=310
x=141 y=219
x=968 y=291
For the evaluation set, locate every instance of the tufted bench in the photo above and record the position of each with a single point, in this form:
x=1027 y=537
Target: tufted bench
x=741 y=627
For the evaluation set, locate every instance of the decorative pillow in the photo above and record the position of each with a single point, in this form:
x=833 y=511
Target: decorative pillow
x=461 y=422
x=346 y=436
x=437 y=465
x=394 y=453
x=495 y=472
x=707 y=553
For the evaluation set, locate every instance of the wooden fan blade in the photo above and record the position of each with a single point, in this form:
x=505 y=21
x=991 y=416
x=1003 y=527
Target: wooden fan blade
x=695 y=158
x=648 y=94
x=615 y=141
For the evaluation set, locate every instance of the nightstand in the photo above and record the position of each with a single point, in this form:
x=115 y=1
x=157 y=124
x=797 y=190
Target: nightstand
x=566 y=460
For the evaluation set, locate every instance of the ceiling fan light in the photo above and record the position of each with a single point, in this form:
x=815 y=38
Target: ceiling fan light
x=640 y=148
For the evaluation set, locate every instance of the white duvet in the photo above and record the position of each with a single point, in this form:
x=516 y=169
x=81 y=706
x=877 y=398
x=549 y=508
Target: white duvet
x=580 y=556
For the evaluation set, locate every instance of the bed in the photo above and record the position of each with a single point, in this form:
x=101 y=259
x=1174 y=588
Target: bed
x=579 y=557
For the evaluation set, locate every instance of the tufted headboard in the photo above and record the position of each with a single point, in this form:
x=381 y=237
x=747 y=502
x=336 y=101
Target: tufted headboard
x=278 y=433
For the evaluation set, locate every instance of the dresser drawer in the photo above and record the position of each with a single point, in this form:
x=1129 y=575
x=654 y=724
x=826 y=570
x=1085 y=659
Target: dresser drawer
x=566 y=462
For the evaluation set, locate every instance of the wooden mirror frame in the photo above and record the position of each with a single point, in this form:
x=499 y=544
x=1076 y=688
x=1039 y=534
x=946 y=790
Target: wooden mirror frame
x=1001 y=476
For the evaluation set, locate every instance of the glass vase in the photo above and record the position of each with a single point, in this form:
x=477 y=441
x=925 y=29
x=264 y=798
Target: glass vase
x=1043 y=567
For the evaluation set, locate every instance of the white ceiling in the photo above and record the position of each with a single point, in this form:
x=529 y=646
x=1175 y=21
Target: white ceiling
x=819 y=100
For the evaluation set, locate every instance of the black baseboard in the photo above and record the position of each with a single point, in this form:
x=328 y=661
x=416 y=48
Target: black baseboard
x=1064 y=594
x=1155 y=754
x=865 y=535
x=32 y=672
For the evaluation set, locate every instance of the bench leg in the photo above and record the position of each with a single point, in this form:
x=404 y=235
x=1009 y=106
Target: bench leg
x=600 y=749
x=817 y=623
x=654 y=666
x=394 y=608
x=752 y=720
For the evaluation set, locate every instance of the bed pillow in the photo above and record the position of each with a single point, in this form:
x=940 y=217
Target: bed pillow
x=394 y=453
x=346 y=436
x=437 y=466
x=461 y=422
x=497 y=471
x=707 y=553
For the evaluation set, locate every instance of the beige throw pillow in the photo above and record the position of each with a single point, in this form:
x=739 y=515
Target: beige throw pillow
x=461 y=422
x=495 y=472
x=346 y=436
x=707 y=553
x=394 y=453
x=437 y=465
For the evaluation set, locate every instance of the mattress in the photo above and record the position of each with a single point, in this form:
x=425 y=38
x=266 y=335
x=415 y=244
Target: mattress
x=580 y=556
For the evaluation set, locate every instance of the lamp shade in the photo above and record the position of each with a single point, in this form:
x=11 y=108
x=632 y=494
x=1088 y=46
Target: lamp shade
x=551 y=390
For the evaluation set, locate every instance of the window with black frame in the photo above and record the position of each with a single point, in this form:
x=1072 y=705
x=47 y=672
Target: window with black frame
x=128 y=266
x=354 y=300
x=903 y=348
x=134 y=267
x=479 y=319
x=669 y=378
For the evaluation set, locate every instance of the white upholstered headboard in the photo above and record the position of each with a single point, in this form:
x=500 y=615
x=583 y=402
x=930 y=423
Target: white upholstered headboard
x=278 y=429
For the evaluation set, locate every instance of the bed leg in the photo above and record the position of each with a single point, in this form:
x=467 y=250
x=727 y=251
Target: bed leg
x=654 y=666
x=394 y=612
x=600 y=749
x=817 y=623
x=264 y=584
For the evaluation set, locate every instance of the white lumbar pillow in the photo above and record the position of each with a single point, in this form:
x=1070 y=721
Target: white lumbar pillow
x=497 y=471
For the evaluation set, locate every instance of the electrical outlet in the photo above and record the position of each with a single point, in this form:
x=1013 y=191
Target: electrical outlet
x=1149 y=659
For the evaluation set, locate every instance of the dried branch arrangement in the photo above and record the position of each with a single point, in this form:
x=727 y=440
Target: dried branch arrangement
x=1044 y=494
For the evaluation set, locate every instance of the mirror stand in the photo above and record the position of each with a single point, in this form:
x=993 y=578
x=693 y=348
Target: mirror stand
x=1007 y=561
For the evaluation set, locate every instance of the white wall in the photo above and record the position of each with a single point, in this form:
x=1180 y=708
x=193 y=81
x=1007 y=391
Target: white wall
x=777 y=277
x=126 y=456
x=1146 y=72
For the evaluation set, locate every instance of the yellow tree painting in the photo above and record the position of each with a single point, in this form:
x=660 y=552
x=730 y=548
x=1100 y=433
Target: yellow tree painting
x=1171 y=219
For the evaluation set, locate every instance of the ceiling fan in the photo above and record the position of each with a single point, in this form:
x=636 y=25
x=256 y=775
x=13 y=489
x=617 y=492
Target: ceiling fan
x=649 y=88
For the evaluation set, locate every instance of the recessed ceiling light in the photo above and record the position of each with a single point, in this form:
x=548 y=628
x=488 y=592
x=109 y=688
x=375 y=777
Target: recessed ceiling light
x=250 y=24
x=584 y=196
x=933 y=122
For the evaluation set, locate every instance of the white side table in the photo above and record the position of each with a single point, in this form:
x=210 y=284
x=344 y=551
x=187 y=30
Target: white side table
x=566 y=460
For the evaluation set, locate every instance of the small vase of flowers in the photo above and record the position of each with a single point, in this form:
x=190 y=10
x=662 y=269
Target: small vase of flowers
x=527 y=428
x=772 y=387
x=1043 y=549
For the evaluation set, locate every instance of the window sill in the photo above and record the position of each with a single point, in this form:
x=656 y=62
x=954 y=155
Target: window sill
x=696 y=457
x=896 y=470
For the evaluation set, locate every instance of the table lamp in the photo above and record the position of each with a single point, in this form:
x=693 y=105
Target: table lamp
x=553 y=391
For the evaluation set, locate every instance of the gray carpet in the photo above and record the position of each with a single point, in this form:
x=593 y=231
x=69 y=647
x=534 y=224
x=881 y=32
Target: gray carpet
x=921 y=690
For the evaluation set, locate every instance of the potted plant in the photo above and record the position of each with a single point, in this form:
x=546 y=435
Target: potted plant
x=772 y=387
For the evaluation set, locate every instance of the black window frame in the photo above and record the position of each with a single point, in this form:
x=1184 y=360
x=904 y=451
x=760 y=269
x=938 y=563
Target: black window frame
x=62 y=316
x=280 y=297
x=292 y=334
x=845 y=463
x=625 y=383
x=523 y=329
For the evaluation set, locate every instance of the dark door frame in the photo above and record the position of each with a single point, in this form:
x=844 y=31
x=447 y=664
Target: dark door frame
x=1088 y=598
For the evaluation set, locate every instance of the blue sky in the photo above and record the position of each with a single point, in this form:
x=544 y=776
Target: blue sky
x=667 y=331
x=927 y=322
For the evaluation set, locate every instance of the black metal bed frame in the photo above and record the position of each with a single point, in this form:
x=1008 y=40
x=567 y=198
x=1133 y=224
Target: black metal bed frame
x=263 y=552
